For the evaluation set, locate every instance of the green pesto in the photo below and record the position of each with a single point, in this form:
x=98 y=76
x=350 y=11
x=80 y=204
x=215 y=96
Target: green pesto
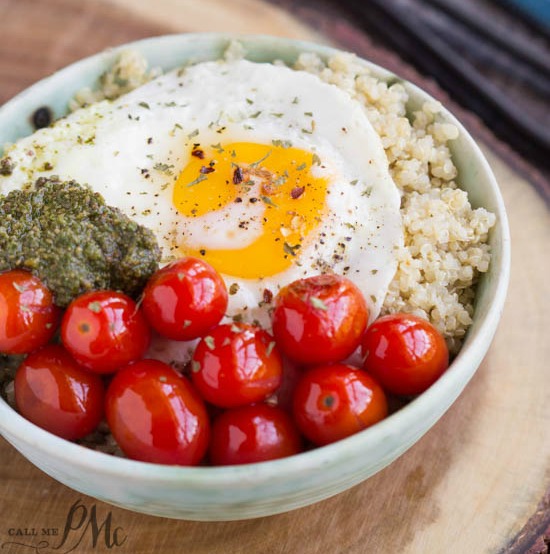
x=66 y=235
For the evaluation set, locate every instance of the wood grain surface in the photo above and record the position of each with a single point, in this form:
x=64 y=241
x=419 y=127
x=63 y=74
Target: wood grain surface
x=476 y=483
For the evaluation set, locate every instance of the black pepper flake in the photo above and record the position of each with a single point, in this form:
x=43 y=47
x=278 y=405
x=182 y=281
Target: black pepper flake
x=198 y=154
x=237 y=176
x=202 y=252
x=238 y=199
x=150 y=140
x=6 y=166
x=42 y=117
x=205 y=170
x=253 y=200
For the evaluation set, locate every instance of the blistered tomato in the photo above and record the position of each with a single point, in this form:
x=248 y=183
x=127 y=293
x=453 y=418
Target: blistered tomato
x=28 y=316
x=332 y=402
x=155 y=415
x=57 y=394
x=104 y=331
x=319 y=319
x=185 y=299
x=251 y=434
x=235 y=365
x=405 y=353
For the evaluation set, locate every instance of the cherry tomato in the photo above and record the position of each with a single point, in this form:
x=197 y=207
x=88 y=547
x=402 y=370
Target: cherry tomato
x=28 y=316
x=156 y=416
x=319 y=319
x=185 y=299
x=405 y=353
x=104 y=331
x=55 y=393
x=236 y=365
x=253 y=434
x=335 y=401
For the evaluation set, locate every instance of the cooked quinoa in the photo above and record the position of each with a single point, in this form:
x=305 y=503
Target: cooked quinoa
x=445 y=240
x=127 y=73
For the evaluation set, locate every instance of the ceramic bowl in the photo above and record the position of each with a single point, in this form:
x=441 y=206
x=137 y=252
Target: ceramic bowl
x=239 y=492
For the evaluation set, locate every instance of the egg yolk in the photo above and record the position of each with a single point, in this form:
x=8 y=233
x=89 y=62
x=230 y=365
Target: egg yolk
x=279 y=177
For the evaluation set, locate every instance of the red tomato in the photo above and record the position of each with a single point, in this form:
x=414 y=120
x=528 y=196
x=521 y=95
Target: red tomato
x=236 y=365
x=185 y=299
x=28 y=316
x=253 y=434
x=334 y=401
x=104 y=331
x=405 y=353
x=156 y=416
x=55 y=393
x=319 y=319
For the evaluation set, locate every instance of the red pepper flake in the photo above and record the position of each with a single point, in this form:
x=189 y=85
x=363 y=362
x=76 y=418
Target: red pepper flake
x=205 y=169
x=237 y=176
x=296 y=192
x=198 y=154
x=268 y=296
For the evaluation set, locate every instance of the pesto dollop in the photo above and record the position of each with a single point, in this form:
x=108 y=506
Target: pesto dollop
x=65 y=234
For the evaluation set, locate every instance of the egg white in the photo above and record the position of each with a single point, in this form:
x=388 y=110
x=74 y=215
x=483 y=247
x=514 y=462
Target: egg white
x=132 y=150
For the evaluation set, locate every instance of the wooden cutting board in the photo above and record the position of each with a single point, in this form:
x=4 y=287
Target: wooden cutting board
x=478 y=482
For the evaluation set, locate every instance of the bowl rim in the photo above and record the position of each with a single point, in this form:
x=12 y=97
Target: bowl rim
x=450 y=384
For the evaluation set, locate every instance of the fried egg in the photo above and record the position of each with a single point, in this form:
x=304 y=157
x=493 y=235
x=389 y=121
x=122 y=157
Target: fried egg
x=267 y=173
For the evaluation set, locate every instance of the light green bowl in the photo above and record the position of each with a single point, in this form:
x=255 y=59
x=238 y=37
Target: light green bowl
x=239 y=492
